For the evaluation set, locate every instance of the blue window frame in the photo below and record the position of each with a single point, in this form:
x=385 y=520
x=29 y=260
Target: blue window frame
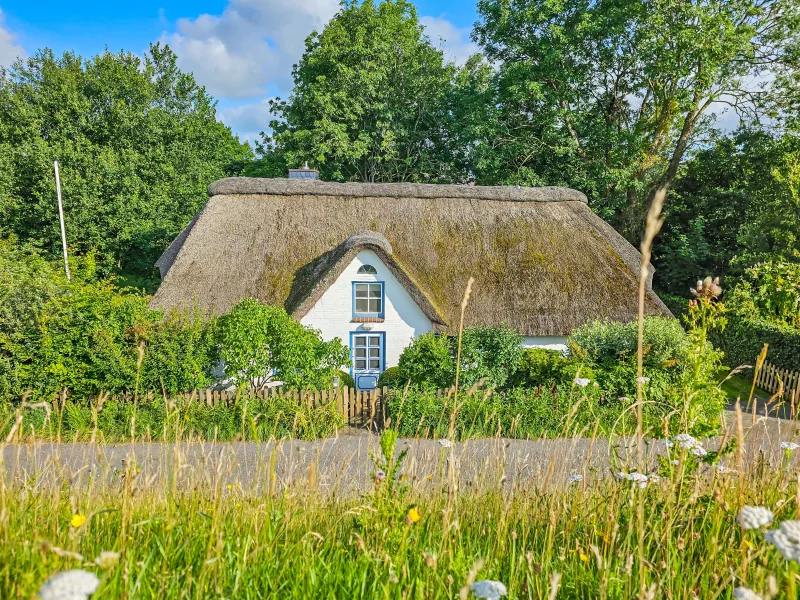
x=368 y=299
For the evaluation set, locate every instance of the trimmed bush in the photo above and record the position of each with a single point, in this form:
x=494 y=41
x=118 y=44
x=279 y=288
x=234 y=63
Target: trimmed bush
x=743 y=339
x=391 y=378
x=427 y=362
x=345 y=379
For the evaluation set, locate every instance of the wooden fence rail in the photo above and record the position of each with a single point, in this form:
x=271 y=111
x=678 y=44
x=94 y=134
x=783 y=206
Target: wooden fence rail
x=358 y=408
x=770 y=379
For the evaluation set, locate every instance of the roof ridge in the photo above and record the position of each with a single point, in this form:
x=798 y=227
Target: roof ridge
x=299 y=187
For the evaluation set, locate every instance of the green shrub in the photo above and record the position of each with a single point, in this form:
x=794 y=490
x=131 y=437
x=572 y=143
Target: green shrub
x=539 y=366
x=346 y=380
x=679 y=365
x=259 y=343
x=427 y=362
x=744 y=338
x=488 y=353
x=519 y=413
x=768 y=292
x=179 y=353
x=390 y=378
x=242 y=419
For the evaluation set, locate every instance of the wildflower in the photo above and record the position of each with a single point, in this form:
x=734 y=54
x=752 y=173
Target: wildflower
x=69 y=585
x=754 y=517
x=583 y=557
x=685 y=440
x=413 y=515
x=230 y=487
x=490 y=590
x=582 y=381
x=675 y=462
x=707 y=288
x=107 y=559
x=575 y=478
x=380 y=475
x=699 y=451
x=77 y=520
x=624 y=399
x=638 y=479
x=445 y=443
x=743 y=593
x=642 y=380
x=789 y=446
x=669 y=443
x=786 y=539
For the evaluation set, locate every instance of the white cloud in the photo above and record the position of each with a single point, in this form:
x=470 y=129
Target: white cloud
x=9 y=50
x=247 y=52
x=251 y=45
x=454 y=41
x=247 y=120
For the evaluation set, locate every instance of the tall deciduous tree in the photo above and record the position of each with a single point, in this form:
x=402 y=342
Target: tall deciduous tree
x=734 y=204
x=137 y=142
x=610 y=94
x=369 y=100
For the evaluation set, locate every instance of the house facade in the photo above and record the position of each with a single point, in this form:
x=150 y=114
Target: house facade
x=377 y=265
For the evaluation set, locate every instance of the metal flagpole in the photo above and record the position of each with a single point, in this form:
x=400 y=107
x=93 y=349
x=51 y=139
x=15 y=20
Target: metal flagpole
x=61 y=219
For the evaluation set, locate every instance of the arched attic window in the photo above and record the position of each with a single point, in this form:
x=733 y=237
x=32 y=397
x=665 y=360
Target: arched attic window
x=367 y=270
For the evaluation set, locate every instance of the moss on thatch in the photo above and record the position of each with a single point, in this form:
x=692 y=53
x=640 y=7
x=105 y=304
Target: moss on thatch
x=542 y=261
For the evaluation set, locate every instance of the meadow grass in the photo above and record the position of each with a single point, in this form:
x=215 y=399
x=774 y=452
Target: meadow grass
x=600 y=537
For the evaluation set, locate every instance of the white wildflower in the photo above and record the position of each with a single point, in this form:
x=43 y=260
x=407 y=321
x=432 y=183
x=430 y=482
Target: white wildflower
x=743 y=593
x=790 y=446
x=575 y=478
x=786 y=539
x=624 y=399
x=699 y=451
x=642 y=380
x=69 y=585
x=754 y=517
x=675 y=462
x=669 y=443
x=582 y=381
x=491 y=590
x=638 y=479
x=445 y=443
x=107 y=559
x=653 y=478
x=380 y=475
x=684 y=440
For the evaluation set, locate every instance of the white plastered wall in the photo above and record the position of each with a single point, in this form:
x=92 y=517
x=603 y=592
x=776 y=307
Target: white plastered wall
x=333 y=313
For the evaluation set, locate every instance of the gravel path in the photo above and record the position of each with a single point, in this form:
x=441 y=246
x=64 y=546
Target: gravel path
x=343 y=466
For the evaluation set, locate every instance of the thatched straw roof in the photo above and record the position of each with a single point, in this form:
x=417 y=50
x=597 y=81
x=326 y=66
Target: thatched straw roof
x=542 y=261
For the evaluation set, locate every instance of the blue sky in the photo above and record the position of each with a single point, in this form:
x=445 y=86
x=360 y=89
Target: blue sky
x=241 y=50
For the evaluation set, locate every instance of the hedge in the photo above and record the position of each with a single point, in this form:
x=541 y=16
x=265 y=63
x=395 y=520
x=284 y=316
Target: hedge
x=743 y=339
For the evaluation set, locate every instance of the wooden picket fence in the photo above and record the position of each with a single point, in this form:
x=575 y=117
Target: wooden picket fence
x=358 y=408
x=770 y=379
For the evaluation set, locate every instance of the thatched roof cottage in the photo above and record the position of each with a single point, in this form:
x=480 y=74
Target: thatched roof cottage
x=377 y=264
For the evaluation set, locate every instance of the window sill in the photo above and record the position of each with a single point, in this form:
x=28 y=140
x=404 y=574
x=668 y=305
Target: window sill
x=367 y=320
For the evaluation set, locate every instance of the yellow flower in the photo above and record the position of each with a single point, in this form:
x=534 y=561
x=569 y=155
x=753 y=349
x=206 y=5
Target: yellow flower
x=584 y=558
x=413 y=514
x=230 y=487
x=77 y=520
